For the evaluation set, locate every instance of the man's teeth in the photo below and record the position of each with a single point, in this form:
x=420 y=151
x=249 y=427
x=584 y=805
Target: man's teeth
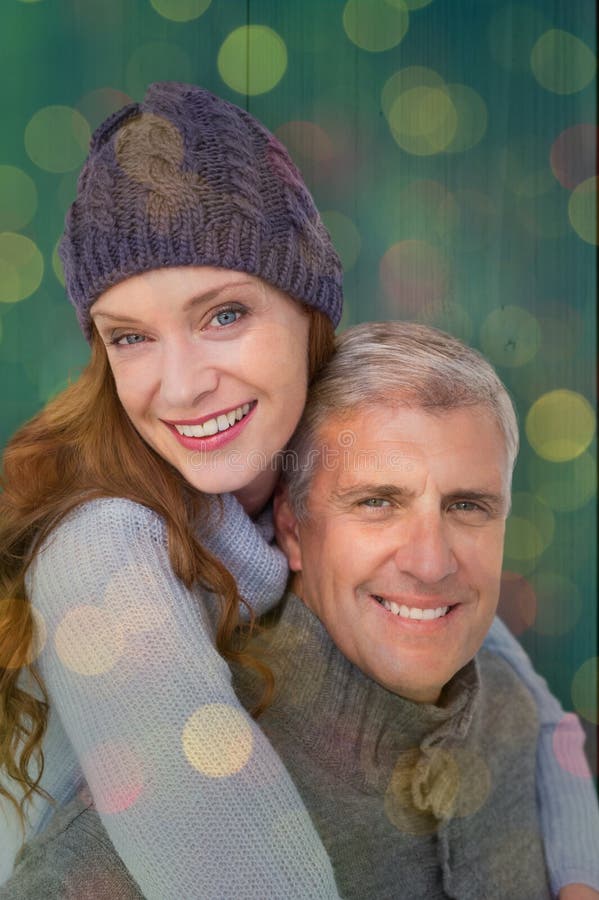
x=212 y=426
x=412 y=612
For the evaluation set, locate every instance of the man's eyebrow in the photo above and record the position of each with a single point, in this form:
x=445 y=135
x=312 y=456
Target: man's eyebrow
x=371 y=489
x=195 y=300
x=491 y=498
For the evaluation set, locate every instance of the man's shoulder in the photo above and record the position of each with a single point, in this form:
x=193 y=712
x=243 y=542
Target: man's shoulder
x=504 y=698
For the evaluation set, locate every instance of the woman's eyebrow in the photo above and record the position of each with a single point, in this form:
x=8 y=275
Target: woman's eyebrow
x=195 y=300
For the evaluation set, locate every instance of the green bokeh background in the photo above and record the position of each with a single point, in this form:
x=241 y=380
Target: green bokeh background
x=475 y=239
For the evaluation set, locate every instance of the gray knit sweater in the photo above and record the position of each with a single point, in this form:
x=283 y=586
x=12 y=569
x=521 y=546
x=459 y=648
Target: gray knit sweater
x=124 y=681
x=411 y=800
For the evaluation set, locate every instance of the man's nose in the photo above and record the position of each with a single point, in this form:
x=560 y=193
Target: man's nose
x=187 y=374
x=425 y=549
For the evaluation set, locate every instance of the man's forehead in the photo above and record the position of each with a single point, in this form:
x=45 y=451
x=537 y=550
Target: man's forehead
x=387 y=444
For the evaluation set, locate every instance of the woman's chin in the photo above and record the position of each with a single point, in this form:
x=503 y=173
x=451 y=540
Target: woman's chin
x=252 y=488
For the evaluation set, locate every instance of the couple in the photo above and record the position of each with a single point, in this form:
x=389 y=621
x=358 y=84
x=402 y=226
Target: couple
x=208 y=289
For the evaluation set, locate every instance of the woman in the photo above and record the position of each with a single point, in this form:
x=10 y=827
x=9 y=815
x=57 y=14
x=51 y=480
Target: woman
x=208 y=289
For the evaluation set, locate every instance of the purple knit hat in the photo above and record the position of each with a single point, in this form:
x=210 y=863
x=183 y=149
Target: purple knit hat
x=187 y=179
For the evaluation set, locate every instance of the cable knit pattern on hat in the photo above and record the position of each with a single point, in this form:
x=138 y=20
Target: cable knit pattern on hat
x=185 y=178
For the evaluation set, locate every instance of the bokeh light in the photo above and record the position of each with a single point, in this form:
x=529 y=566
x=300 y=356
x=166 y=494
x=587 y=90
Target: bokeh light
x=398 y=801
x=524 y=168
x=562 y=63
x=423 y=120
x=89 y=640
x=582 y=209
x=569 y=736
x=99 y=104
x=57 y=138
x=530 y=528
x=559 y=603
x=564 y=486
x=376 y=25
x=306 y=140
x=122 y=789
x=414 y=276
x=180 y=10
x=585 y=690
x=517 y=602
x=405 y=80
x=574 y=155
x=474 y=782
x=18 y=198
x=510 y=336
x=217 y=740
x=21 y=267
x=560 y=425
x=513 y=30
x=345 y=237
x=472 y=117
x=57 y=264
x=156 y=61
x=252 y=59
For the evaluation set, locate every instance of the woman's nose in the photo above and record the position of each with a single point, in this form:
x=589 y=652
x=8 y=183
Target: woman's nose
x=187 y=375
x=424 y=549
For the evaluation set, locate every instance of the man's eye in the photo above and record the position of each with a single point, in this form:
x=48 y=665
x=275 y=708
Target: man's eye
x=375 y=503
x=470 y=511
x=227 y=316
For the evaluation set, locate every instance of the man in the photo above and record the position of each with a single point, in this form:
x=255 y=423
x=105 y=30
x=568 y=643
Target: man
x=413 y=750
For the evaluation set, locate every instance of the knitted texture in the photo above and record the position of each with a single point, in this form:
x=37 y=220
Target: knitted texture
x=155 y=830
x=186 y=178
x=189 y=790
x=411 y=800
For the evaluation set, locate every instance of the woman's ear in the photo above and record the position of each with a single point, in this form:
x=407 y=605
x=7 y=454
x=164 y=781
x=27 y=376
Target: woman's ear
x=287 y=530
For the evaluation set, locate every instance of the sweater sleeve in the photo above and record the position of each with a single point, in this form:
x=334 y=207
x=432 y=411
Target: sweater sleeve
x=191 y=793
x=566 y=797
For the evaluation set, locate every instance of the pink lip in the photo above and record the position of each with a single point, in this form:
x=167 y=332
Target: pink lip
x=214 y=415
x=213 y=441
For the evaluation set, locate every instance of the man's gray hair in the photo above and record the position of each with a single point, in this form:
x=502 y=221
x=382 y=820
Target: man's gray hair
x=389 y=364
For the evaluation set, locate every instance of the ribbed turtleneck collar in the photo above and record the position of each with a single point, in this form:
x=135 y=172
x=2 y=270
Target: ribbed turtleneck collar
x=246 y=547
x=345 y=718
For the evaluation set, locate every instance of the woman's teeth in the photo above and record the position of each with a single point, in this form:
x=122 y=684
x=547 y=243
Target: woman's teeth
x=212 y=426
x=411 y=612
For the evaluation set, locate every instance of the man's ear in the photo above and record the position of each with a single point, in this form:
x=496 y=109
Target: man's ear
x=287 y=529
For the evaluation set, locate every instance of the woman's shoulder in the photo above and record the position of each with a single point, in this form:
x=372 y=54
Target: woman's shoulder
x=96 y=538
x=107 y=519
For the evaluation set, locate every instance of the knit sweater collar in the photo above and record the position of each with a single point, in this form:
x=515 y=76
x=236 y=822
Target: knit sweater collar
x=348 y=720
x=246 y=547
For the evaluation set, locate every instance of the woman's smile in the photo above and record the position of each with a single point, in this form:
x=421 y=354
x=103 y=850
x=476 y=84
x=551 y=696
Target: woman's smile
x=211 y=367
x=213 y=431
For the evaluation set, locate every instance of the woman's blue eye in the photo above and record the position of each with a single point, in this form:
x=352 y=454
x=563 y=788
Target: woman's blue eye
x=118 y=339
x=226 y=316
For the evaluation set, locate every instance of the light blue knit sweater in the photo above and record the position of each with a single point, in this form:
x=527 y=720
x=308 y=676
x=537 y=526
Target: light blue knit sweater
x=142 y=707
